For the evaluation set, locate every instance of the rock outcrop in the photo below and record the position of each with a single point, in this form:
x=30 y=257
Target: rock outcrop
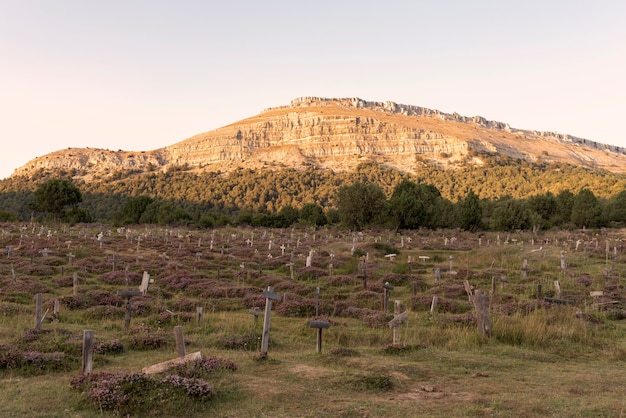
x=339 y=134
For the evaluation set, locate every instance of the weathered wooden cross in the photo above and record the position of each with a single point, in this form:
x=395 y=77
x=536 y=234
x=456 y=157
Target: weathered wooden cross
x=398 y=319
x=269 y=297
x=128 y=294
x=386 y=289
x=319 y=325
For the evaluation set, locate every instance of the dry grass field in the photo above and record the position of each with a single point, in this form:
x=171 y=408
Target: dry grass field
x=558 y=353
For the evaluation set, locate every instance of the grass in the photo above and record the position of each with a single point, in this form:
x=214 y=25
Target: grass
x=540 y=361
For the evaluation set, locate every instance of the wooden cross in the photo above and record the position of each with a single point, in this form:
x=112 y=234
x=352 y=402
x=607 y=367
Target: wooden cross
x=319 y=325
x=398 y=319
x=128 y=294
x=256 y=312
x=386 y=289
x=269 y=297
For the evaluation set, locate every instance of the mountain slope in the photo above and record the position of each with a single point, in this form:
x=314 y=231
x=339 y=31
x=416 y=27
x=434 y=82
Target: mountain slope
x=339 y=134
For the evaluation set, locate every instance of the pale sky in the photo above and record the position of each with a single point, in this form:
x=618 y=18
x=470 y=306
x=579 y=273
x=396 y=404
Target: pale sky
x=140 y=75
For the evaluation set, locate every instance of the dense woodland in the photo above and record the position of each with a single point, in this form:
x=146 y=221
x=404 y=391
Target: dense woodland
x=503 y=194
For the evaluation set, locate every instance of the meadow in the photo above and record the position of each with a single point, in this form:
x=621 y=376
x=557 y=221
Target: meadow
x=555 y=343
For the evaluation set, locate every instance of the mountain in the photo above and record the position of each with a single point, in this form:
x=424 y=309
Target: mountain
x=340 y=134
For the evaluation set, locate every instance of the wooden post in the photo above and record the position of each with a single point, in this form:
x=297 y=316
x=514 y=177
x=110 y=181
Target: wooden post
x=386 y=289
x=180 y=341
x=128 y=294
x=38 y=311
x=364 y=274
x=319 y=325
x=256 y=312
x=199 y=312
x=538 y=291
x=75 y=284
x=87 y=364
x=396 y=312
x=145 y=282
x=437 y=271
x=493 y=285
x=524 y=269
x=269 y=296
x=433 y=304
x=481 y=305
x=55 y=310
x=397 y=320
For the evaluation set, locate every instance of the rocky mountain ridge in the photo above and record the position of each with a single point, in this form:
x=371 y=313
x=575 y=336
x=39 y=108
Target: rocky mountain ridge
x=339 y=134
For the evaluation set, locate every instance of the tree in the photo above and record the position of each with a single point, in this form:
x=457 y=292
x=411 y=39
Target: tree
x=544 y=210
x=290 y=214
x=55 y=195
x=564 y=203
x=360 y=204
x=405 y=209
x=586 y=210
x=471 y=214
x=313 y=214
x=510 y=214
x=134 y=208
x=616 y=208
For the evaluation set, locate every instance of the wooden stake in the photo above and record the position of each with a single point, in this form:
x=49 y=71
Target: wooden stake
x=75 y=284
x=38 y=311
x=269 y=296
x=180 y=341
x=87 y=364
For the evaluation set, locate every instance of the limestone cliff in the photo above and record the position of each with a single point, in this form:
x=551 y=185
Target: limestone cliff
x=339 y=134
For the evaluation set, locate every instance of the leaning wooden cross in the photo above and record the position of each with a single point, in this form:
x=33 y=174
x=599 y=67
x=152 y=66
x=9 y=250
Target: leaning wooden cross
x=269 y=297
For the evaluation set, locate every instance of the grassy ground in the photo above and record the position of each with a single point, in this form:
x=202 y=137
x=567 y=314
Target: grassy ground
x=542 y=360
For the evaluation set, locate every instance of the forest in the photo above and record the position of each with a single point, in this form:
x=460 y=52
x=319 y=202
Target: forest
x=503 y=194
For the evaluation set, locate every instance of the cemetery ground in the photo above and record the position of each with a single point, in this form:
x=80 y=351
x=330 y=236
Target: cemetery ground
x=97 y=320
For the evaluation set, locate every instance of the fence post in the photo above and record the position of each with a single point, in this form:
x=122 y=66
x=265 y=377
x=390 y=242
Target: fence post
x=87 y=364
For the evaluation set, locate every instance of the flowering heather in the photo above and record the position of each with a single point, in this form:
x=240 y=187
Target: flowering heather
x=194 y=388
x=297 y=308
x=110 y=347
x=204 y=366
x=26 y=285
x=32 y=361
x=120 y=278
x=240 y=342
x=143 y=338
x=133 y=393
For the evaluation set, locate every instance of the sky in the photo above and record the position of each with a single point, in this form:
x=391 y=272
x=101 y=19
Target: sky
x=143 y=74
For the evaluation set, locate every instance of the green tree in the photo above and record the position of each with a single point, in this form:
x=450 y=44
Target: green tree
x=564 y=204
x=134 y=208
x=470 y=212
x=616 y=208
x=290 y=214
x=312 y=214
x=405 y=209
x=586 y=210
x=55 y=195
x=510 y=214
x=544 y=210
x=360 y=204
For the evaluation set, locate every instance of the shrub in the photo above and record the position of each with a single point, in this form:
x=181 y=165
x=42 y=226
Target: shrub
x=135 y=393
x=204 y=366
x=240 y=342
x=111 y=347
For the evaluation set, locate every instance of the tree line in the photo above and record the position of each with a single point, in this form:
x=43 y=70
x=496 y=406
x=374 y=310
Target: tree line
x=356 y=205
